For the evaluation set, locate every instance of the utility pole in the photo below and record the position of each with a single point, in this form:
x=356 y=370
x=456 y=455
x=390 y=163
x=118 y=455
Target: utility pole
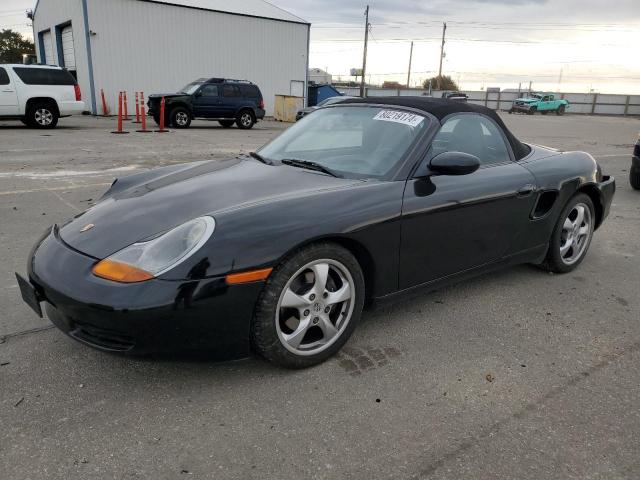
x=444 y=32
x=367 y=25
x=409 y=74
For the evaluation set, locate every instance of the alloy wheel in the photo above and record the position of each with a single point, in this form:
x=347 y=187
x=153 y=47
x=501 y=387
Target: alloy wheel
x=246 y=120
x=181 y=119
x=43 y=117
x=576 y=234
x=315 y=307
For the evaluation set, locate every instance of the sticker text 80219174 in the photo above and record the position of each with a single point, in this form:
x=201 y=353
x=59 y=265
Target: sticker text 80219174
x=399 y=117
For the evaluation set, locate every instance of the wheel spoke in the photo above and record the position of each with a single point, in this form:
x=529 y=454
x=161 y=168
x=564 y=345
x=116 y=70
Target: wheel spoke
x=565 y=248
x=321 y=274
x=340 y=296
x=293 y=300
x=568 y=225
x=580 y=218
x=295 y=339
x=584 y=231
x=328 y=329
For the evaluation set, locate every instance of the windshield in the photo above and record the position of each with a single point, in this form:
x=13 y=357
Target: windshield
x=353 y=141
x=535 y=95
x=190 y=89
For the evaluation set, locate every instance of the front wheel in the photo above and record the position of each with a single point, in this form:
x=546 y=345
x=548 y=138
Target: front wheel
x=572 y=235
x=245 y=120
x=309 y=307
x=532 y=111
x=180 y=117
x=634 y=178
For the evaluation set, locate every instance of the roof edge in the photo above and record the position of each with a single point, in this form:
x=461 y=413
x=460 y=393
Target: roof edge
x=301 y=22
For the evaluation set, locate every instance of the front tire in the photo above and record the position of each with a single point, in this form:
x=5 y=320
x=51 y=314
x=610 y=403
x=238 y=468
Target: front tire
x=532 y=111
x=309 y=307
x=42 y=115
x=572 y=235
x=245 y=120
x=180 y=117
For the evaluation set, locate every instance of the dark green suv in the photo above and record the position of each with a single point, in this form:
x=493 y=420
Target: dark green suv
x=228 y=101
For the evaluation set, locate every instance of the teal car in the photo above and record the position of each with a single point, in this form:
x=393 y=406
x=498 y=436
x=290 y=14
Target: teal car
x=539 y=102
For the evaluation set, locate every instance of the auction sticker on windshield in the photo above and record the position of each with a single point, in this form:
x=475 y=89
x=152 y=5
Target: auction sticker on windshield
x=399 y=117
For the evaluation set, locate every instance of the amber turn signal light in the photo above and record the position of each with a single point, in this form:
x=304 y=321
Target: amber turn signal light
x=248 y=277
x=120 y=272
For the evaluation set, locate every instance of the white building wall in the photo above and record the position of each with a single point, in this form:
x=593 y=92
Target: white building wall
x=49 y=14
x=156 y=48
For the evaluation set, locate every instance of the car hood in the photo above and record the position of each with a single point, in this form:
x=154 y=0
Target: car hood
x=527 y=100
x=167 y=95
x=147 y=204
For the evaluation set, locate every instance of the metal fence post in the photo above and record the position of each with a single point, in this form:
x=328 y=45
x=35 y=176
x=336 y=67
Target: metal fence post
x=486 y=98
x=593 y=105
x=626 y=106
x=499 y=96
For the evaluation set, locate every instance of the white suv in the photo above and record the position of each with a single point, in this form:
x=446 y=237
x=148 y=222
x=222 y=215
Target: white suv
x=38 y=95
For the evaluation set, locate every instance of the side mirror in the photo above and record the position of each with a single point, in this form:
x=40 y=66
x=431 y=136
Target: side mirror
x=454 y=163
x=198 y=94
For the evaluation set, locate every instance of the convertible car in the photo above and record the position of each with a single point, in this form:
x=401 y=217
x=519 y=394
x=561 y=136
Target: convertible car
x=277 y=253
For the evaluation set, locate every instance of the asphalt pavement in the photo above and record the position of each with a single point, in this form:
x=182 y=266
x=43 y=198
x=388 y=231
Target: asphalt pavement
x=518 y=374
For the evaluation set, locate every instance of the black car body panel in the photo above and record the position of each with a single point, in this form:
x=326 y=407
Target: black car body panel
x=408 y=234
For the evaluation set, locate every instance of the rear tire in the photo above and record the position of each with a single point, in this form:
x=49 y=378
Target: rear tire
x=42 y=115
x=245 y=120
x=572 y=235
x=180 y=117
x=309 y=306
x=226 y=123
x=561 y=110
x=634 y=178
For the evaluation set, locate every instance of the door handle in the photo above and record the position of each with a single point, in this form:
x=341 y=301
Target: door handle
x=8 y=91
x=526 y=190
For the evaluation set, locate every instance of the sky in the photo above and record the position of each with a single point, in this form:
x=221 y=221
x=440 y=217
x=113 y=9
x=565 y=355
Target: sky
x=559 y=45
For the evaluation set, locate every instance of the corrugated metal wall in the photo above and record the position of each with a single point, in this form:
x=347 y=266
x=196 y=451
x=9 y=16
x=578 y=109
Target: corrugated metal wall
x=51 y=13
x=160 y=48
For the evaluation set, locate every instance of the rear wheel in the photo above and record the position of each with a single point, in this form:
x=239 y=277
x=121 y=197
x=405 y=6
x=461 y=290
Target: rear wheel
x=309 y=307
x=572 y=235
x=180 y=117
x=561 y=110
x=226 y=123
x=42 y=115
x=245 y=120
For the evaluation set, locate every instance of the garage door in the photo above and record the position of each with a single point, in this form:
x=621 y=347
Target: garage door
x=68 y=51
x=48 y=48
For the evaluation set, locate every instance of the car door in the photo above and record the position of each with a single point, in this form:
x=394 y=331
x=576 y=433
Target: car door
x=231 y=100
x=545 y=104
x=455 y=223
x=207 y=102
x=8 y=95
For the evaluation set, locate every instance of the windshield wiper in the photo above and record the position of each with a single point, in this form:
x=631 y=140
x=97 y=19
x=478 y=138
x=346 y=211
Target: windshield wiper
x=309 y=165
x=260 y=158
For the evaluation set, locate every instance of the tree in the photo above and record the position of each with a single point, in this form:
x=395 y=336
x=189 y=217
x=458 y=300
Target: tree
x=445 y=83
x=13 y=45
x=392 y=85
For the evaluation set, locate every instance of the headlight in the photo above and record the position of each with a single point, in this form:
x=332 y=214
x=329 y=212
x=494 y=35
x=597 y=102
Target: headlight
x=146 y=260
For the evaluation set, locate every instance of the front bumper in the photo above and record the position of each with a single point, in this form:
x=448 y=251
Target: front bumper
x=158 y=316
x=521 y=108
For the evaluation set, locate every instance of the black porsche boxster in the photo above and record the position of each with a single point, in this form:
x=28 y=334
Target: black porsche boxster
x=278 y=252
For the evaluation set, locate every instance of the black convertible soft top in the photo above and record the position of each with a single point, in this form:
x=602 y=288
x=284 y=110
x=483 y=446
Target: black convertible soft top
x=440 y=108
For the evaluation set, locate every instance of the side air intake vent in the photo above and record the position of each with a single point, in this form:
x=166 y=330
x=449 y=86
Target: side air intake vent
x=545 y=204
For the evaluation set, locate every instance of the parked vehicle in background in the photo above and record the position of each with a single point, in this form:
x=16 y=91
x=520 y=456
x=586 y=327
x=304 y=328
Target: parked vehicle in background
x=457 y=96
x=38 y=95
x=634 y=175
x=228 y=101
x=539 y=102
x=329 y=101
